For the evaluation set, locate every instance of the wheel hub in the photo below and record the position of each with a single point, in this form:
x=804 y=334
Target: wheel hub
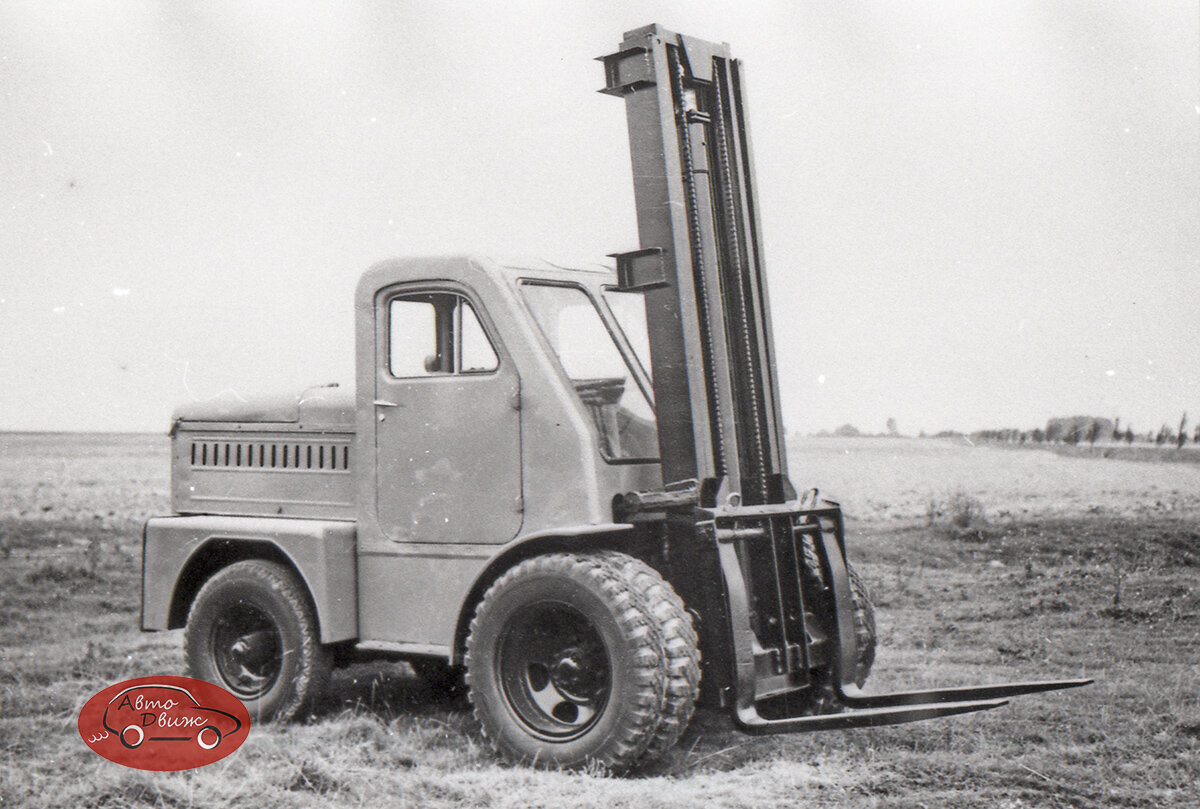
x=554 y=671
x=578 y=677
x=248 y=651
x=253 y=648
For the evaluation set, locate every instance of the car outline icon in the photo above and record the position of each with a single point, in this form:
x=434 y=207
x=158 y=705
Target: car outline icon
x=210 y=717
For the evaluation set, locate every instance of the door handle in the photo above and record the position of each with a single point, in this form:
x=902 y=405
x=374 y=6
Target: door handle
x=383 y=403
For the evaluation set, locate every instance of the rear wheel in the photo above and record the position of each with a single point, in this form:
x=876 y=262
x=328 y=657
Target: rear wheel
x=566 y=663
x=252 y=631
x=132 y=740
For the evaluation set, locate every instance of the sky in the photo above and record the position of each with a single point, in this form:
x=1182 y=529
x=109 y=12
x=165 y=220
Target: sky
x=975 y=215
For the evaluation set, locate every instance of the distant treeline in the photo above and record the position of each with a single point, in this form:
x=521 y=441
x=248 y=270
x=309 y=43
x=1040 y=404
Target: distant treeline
x=1089 y=430
x=1072 y=430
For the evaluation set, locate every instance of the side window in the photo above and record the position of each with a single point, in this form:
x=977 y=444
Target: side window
x=477 y=354
x=413 y=343
x=436 y=333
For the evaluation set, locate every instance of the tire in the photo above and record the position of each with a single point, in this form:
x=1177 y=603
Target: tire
x=252 y=631
x=864 y=626
x=680 y=647
x=863 y=614
x=444 y=680
x=566 y=666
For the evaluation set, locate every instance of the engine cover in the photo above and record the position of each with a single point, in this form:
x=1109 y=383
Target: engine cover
x=267 y=456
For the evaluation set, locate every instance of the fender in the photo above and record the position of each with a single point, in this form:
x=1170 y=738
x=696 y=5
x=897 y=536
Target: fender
x=573 y=537
x=180 y=553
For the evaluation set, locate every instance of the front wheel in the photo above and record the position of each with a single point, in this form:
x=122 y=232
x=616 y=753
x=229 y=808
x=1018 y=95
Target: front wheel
x=864 y=626
x=566 y=663
x=863 y=613
x=211 y=741
x=252 y=631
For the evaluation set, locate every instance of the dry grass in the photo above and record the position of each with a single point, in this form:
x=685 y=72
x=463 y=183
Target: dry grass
x=1042 y=592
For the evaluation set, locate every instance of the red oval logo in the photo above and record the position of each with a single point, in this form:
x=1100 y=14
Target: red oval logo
x=164 y=723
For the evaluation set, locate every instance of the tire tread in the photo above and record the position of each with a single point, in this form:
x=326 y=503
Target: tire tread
x=640 y=719
x=315 y=660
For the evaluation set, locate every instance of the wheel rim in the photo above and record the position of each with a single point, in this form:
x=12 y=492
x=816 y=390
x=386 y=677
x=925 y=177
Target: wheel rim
x=248 y=650
x=554 y=671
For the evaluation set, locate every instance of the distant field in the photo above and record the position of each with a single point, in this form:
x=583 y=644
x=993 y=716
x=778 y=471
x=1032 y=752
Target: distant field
x=112 y=482
x=1081 y=566
x=896 y=478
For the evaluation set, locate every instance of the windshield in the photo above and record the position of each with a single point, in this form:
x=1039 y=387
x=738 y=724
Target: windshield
x=588 y=355
x=629 y=308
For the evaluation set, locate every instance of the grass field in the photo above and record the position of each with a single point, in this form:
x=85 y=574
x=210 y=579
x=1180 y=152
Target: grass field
x=1079 y=566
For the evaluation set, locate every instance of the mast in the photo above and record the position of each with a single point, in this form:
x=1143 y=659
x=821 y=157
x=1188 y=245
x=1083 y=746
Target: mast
x=700 y=266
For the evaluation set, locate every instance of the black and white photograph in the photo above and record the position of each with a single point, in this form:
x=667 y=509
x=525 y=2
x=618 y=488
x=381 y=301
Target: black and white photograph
x=660 y=404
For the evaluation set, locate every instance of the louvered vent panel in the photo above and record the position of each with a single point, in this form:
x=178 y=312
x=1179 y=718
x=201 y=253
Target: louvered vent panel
x=281 y=455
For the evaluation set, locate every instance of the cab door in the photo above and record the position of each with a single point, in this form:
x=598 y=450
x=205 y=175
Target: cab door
x=448 y=442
